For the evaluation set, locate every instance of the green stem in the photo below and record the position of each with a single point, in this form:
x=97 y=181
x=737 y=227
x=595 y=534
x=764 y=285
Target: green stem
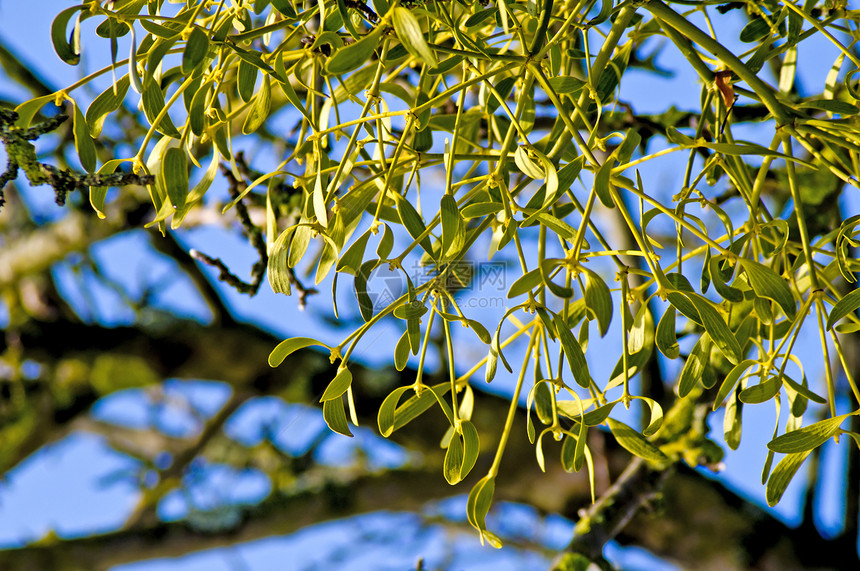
x=540 y=35
x=512 y=410
x=688 y=29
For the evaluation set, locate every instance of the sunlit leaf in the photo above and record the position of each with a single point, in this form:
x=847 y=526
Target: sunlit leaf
x=635 y=443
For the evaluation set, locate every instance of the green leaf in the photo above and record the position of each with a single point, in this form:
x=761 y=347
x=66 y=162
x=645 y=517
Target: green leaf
x=761 y=392
x=602 y=183
x=666 y=340
x=338 y=386
x=401 y=352
x=350 y=262
x=107 y=102
x=285 y=7
x=525 y=283
x=98 y=193
x=566 y=84
x=755 y=30
x=453 y=465
x=503 y=87
x=417 y=405
x=731 y=380
x=478 y=209
x=561 y=228
x=716 y=328
x=385 y=243
x=831 y=105
x=453 y=228
x=199 y=106
x=766 y=283
x=174 y=175
x=635 y=443
x=277 y=268
x=299 y=243
x=598 y=300
x=289 y=346
x=568 y=453
x=387 y=411
x=352 y=56
x=153 y=103
x=479 y=502
x=413 y=223
x=335 y=416
x=525 y=163
x=803 y=390
x=683 y=304
x=246 y=79
x=733 y=423
x=83 y=142
x=199 y=190
x=543 y=401
x=642 y=333
x=807 y=438
x=848 y=304
x=260 y=107
x=573 y=351
x=598 y=415
x=782 y=475
x=726 y=291
x=409 y=31
x=67 y=47
x=694 y=367
x=655 y=419
x=471 y=447
x=195 y=50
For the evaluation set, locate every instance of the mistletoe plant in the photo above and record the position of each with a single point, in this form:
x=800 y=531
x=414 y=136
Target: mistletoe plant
x=509 y=113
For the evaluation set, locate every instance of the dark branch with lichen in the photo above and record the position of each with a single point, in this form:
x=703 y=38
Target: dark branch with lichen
x=22 y=155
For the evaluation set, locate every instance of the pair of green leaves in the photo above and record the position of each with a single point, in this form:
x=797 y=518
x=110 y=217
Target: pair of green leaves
x=797 y=445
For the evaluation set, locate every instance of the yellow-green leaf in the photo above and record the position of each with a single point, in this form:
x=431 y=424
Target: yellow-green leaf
x=807 y=438
x=352 y=56
x=83 y=142
x=174 y=175
x=635 y=443
x=409 y=31
x=108 y=101
x=259 y=107
x=782 y=475
x=338 y=386
x=766 y=283
x=289 y=346
x=843 y=307
x=335 y=416
x=195 y=50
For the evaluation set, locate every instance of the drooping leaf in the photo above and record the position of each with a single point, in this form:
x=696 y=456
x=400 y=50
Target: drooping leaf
x=335 y=416
x=635 y=443
x=766 y=283
x=807 y=438
x=573 y=351
x=338 y=386
x=68 y=47
x=598 y=300
x=665 y=338
x=289 y=346
x=107 y=102
x=352 y=56
x=83 y=141
x=848 y=304
x=782 y=475
x=409 y=31
x=195 y=50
